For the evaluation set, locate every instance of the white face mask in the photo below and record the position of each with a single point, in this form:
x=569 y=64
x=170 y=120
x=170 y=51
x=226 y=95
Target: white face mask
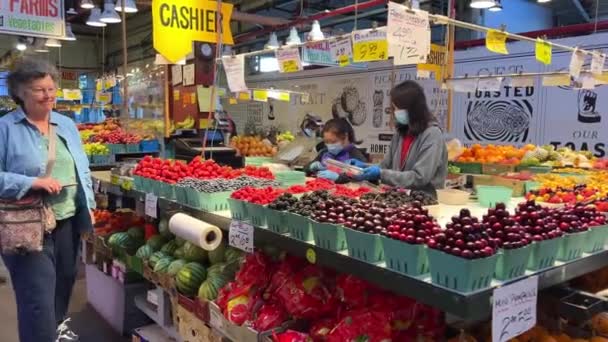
x=402 y=116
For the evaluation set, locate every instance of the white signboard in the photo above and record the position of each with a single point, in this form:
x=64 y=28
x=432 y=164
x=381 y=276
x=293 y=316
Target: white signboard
x=514 y=309
x=151 y=205
x=408 y=34
x=32 y=18
x=241 y=236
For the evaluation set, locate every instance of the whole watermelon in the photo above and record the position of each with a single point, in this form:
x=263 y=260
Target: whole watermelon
x=179 y=241
x=162 y=265
x=194 y=253
x=233 y=254
x=189 y=278
x=210 y=287
x=136 y=233
x=122 y=241
x=169 y=248
x=215 y=270
x=175 y=266
x=217 y=255
x=163 y=229
x=144 y=252
x=156 y=242
x=179 y=253
x=155 y=257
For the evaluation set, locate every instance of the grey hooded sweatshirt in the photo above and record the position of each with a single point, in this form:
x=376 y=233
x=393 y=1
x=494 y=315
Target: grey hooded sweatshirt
x=426 y=165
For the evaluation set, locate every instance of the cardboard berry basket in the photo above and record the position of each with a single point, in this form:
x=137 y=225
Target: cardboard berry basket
x=276 y=220
x=572 y=246
x=329 y=236
x=238 y=210
x=596 y=239
x=512 y=263
x=405 y=258
x=181 y=195
x=461 y=274
x=299 y=227
x=209 y=201
x=364 y=246
x=543 y=254
x=257 y=214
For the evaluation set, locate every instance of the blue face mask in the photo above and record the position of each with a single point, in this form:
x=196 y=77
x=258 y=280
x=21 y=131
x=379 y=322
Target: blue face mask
x=309 y=132
x=334 y=149
x=402 y=116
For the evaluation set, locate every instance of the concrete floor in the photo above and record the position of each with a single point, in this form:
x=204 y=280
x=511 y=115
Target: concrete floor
x=85 y=321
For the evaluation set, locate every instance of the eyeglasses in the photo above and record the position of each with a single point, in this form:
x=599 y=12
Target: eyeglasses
x=44 y=91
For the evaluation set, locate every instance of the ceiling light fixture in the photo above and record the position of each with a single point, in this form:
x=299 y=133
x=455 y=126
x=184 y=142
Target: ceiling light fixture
x=71 y=11
x=21 y=46
x=130 y=6
x=497 y=6
x=482 y=4
x=94 y=17
x=69 y=35
x=543 y=1
x=88 y=4
x=109 y=14
x=52 y=42
x=273 y=42
x=316 y=33
x=294 y=38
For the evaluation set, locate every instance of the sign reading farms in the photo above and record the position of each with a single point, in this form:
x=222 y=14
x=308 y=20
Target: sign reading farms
x=178 y=23
x=41 y=18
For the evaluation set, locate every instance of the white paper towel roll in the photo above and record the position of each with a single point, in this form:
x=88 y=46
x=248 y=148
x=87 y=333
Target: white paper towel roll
x=200 y=233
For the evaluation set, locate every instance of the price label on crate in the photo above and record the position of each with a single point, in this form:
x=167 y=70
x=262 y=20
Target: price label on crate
x=241 y=236
x=151 y=205
x=514 y=309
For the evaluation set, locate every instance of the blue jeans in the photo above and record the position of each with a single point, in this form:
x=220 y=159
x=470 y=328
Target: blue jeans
x=43 y=283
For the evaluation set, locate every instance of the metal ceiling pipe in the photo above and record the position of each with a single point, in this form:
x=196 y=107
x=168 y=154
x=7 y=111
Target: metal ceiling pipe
x=318 y=16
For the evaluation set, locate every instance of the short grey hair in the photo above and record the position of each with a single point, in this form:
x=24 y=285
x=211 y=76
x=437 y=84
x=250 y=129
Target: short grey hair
x=26 y=70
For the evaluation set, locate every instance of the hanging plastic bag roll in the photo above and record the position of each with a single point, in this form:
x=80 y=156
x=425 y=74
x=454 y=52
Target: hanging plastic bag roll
x=198 y=232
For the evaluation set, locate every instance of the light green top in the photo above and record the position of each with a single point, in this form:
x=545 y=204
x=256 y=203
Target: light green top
x=64 y=171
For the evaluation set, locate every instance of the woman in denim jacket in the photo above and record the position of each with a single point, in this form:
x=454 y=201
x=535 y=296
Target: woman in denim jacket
x=43 y=281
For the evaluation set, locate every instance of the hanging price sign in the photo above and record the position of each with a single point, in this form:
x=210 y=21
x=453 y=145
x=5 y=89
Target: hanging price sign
x=341 y=51
x=241 y=236
x=514 y=309
x=543 y=51
x=289 y=60
x=290 y=66
x=597 y=63
x=370 y=45
x=408 y=34
x=496 y=41
x=151 y=205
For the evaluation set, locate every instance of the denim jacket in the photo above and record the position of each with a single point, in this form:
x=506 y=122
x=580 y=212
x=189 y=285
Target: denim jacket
x=22 y=160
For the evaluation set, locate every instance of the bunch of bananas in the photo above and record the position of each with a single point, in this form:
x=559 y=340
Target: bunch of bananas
x=285 y=136
x=186 y=124
x=96 y=149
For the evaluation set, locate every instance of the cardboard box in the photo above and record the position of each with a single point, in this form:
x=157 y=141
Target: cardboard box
x=218 y=322
x=192 y=329
x=150 y=333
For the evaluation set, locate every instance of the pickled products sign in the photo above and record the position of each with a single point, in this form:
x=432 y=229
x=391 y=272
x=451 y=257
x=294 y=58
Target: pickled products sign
x=40 y=18
x=176 y=24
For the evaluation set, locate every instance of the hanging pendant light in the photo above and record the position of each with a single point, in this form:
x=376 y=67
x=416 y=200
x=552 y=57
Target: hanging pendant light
x=130 y=6
x=543 y=1
x=482 y=4
x=71 y=11
x=109 y=14
x=88 y=4
x=94 y=17
x=273 y=42
x=294 y=38
x=69 y=35
x=497 y=6
x=52 y=42
x=316 y=33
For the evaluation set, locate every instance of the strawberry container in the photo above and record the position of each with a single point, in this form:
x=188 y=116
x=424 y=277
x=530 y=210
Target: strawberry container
x=543 y=254
x=257 y=214
x=512 y=263
x=167 y=191
x=596 y=239
x=117 y=148
x=192 y=198
x=146 y=184
x=138 y=182
x=214 y=201
x=276 y=220
x=329 y=236
x=155 y=187
x=489 y=195
x=181 y=195
x=405 y=258
x=461 y=274
x=238 y=209
x=364 y=246
x=299 y=227
x=571 y=246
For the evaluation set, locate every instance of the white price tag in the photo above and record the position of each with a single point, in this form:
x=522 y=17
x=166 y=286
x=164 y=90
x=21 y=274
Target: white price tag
x=151 y=205
x=241 y=236
x=408 y=34
x=576 y=63
x=341 y=47
x=597 y=63
x=514 y=309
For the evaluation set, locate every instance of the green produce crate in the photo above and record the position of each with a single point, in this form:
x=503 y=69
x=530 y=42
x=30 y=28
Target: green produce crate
x=216 y=201
x=596 y=239
x=138 y=182
x=192 y=198
x=289 y=178
x=155 y=187
x=489 y=195
x=405 y=258
x=167 y=191
x=531 y=185
x=543 y=254
x=299 y=227
x=117 y=148
x=238 y=210
x=364 y=246
x=512 y=263
x=257 y=214
x=276 y=220
x=470 y=168
x=329 y=236
x=571 y=246
x=181 y=195
x=461 y=274
x=100 y=159
x=132 y=148
x=257 y=161
x=534 y=169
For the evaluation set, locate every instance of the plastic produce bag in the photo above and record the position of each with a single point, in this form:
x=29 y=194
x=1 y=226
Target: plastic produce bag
x=305 y=296
x=255 y=271
x=269 y=316
x=239 y=304
x=291 y=336
x=352 y=291
x=362 y=325
x=320 y=329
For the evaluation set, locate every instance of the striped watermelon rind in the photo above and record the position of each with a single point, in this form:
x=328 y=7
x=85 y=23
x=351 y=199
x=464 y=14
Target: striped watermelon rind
x=217 y=255
x=144 y=252
x=194 y=253
x=233 y=254
x=169 y=248
x=155 y=257
x=136 y=233
x=156 y=242
x=210 y=287
x=175 y=266
x=189 y=278
x=162 y=264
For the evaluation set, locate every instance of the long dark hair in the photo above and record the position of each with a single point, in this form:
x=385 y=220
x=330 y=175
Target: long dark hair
x=342 y=128
x=409 y=95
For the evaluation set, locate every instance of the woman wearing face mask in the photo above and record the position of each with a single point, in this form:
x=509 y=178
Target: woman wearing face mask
x=417 y=157
x=339 y=139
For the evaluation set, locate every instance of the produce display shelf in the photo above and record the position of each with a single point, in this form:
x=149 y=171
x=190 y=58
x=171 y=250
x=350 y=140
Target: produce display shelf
x=470 y=306
x=151 y=311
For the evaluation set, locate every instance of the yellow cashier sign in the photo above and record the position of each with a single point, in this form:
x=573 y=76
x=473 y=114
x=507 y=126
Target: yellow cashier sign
x=178 y=23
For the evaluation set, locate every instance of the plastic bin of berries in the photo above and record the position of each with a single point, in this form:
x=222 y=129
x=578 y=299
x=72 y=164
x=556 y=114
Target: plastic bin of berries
x=289 y=178
x=364 y=246
x=329 y=236
x=181 y=195
x=596 y=239
x=155 y=187
x=543 y=254
x=192 y=198
x=167 y=191
x=299 y=227
x=461 y=274
x=571 y=246
x=238 y=209
x=117 y=148
x=257 y=161
x=214 y=201
x=405 y=258
x=138 y=182
x=145 y=184
x=512 y=263
x=276 y=220
x=257 y=214
x=489 y=196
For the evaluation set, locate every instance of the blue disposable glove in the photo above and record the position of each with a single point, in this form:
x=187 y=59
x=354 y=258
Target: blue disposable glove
x=370 y=173
x=316 y=166
x=357 y=163
x=328 y=175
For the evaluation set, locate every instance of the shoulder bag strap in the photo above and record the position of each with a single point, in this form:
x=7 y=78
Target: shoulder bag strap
x=52 y=150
